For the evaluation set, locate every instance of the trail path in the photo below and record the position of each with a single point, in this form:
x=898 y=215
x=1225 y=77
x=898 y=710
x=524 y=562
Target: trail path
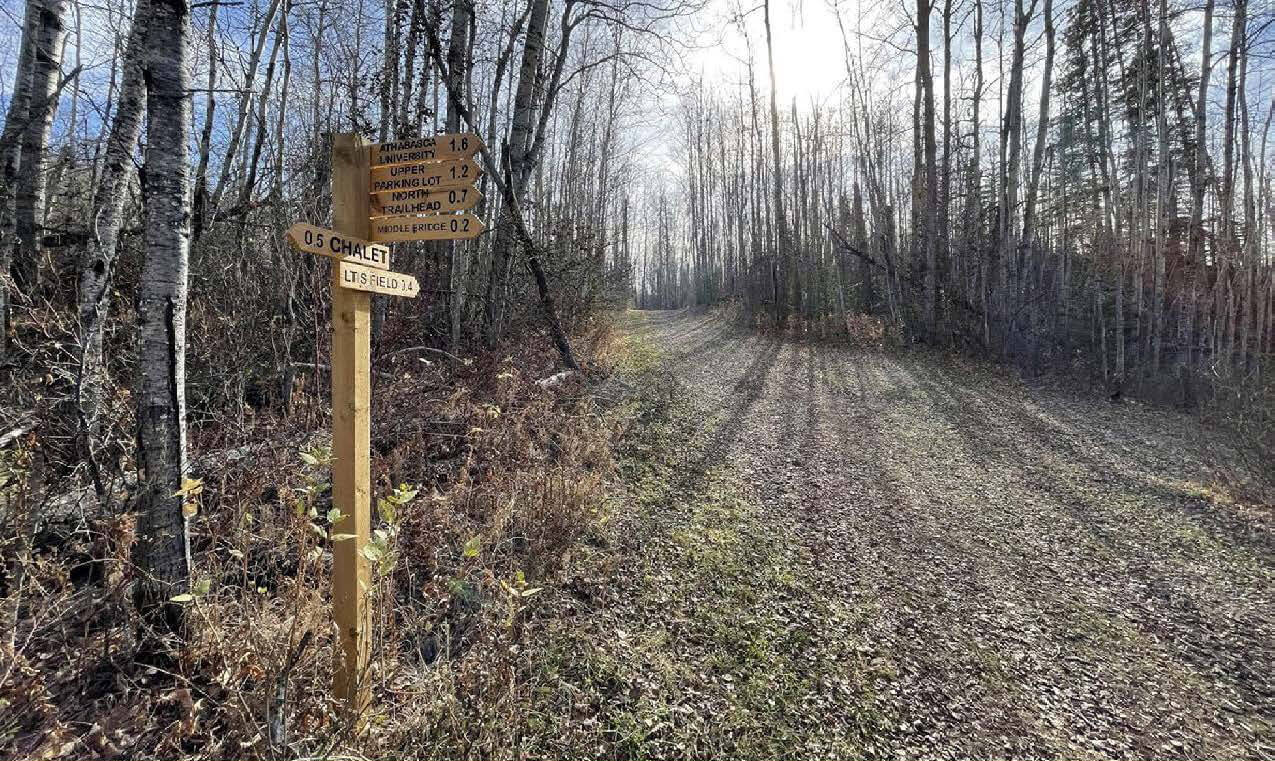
x=986 y=569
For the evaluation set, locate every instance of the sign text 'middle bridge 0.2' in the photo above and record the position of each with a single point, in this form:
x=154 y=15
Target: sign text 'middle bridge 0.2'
x=433 y=227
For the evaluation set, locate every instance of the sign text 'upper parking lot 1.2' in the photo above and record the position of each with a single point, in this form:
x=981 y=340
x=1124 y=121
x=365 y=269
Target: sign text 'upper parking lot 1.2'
x=423 y=176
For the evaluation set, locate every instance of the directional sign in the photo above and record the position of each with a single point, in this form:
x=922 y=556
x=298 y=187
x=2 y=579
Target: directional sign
x=317 y=240
x=360 y=278
x=402 y=202
x=434 y=227
x=430 y=174
x=449 y=146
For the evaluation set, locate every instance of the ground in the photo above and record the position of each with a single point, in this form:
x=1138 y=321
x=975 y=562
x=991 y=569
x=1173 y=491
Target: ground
x=820 y=551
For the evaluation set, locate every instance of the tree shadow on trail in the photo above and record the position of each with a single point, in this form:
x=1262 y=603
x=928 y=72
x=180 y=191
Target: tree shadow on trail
x=707 y=343
x=1133 y=476
x=1187 y=625
x=746 y=392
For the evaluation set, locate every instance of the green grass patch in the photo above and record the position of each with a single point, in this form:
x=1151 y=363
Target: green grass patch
x=708 y=635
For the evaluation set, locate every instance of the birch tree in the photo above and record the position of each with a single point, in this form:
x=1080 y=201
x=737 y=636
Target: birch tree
x=10 y=156
x=98 y=261
x=162 y=552
x=45 y=85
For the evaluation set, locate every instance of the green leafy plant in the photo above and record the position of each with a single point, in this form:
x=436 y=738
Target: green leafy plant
x=381 y=549
x=516 y=593
x=319 y=461
x=189 y=492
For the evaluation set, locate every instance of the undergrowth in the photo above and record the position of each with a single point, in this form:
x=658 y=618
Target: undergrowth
x=483 y=479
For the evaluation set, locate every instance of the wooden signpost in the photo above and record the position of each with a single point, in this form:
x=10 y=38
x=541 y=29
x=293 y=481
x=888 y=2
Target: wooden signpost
x=430 y=175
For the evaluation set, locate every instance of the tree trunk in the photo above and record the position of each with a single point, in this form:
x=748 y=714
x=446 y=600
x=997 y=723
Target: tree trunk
x=457 y=68
x=517 y=149
x=1011 y=147
x=207 y=215
x=783 y=254
x=945 y=192
x=205 y=138
x=98 y=262
x=1042 y=128
x=10 y=158
x=1199 y=175
x=29 y=201
x=1163 y=160
x=162 y=553
x=859 y=239
x=929 y=223
x=1226 y=193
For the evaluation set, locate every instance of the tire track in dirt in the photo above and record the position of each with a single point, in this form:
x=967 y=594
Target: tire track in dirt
x=1032 y=574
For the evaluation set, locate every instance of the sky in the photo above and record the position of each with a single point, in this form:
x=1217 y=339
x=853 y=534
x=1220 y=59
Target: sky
x=809 y=66
x=809 y=57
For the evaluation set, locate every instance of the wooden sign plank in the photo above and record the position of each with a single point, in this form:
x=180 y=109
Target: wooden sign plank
x=434 y=227
x=457 y=145
x=359 y=278
x=335 y=245
x=407 y=202
x=429 y=174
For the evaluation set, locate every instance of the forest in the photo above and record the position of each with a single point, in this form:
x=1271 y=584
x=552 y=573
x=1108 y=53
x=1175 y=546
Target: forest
x=1048 y=225
x=1113 y=211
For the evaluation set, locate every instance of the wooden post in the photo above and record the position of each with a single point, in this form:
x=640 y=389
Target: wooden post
x=351 y=469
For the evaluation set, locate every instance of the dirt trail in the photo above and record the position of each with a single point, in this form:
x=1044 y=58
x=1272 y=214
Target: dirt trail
x=1014 y=571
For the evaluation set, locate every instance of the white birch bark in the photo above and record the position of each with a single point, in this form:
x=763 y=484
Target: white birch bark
x=10 y=157
x=45 y=85
x=98 y=261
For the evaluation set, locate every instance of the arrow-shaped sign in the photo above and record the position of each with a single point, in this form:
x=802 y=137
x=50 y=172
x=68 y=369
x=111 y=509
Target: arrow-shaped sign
x=433 y=227
x=459 y=145
x=425 y=175
x=407 y=202
x=324 y=242
x=360 y=278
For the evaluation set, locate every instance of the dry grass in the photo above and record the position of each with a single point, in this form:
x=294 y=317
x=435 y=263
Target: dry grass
x=491 y=480
x=1244 y=403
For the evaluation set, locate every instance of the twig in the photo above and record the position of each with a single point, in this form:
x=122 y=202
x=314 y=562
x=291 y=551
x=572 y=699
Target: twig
x=274 y=710
x=555 y=379
x=51 y=98
x=447 y=354
x=22 y=428
x=327 y=369
x=909 y=279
